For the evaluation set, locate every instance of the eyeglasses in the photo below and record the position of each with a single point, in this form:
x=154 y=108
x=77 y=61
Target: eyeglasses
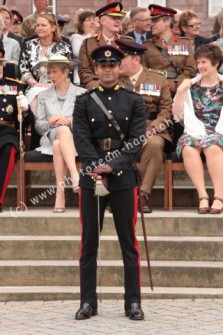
x=145 y=20
x=198 y=24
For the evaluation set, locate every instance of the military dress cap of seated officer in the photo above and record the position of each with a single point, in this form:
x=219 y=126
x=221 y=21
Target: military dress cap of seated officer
x=130 y=47
x=107 y=54
x=157 y=11
x=17 y=17
x=112 y=9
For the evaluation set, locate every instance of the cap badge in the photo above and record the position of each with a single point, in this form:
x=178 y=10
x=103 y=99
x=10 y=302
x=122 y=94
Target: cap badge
x=118 y=9
x=107 y=53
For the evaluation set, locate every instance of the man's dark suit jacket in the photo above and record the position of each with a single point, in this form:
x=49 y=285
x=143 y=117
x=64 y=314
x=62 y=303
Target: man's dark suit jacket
x=148 y=35
x=200 y=40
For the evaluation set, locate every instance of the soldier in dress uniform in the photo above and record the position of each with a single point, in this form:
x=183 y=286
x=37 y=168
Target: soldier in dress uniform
x=9 y=137
x=108 y=149
x=166 y=52
x=110 y=20
x=153 y=86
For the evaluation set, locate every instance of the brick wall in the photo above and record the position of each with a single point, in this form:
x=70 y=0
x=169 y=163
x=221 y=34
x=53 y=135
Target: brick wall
x=65 y=7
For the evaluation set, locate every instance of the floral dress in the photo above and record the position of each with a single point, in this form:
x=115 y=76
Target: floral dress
x=207 y=103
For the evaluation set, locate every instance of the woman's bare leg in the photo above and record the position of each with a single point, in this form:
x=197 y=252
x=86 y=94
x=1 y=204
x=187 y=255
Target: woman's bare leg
x=194 y=168
x=214 y=160
x=60 y=173
x=67 y=148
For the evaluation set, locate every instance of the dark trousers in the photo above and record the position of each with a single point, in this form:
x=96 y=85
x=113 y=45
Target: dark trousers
x=124 y=208
x=7 y=162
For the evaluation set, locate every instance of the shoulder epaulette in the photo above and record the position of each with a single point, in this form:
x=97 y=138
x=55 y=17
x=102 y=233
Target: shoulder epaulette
x=155 y=71
x=183 y=37
x=87 y=92
x=129 y=90
x=15 y=80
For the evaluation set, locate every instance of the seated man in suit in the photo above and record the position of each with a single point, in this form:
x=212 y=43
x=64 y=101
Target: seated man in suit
x=140 y=18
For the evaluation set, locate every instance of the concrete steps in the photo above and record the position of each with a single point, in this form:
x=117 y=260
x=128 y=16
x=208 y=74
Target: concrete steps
x=39 y=254
x=166 y=248
x=29 y=293
x=63 y=273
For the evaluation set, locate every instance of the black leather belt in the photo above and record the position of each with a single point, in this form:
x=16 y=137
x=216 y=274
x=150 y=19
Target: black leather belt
x=170 y=74
x=7 y=123
x=108 y=144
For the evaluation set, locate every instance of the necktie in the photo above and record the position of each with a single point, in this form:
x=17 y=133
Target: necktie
x=142 y=38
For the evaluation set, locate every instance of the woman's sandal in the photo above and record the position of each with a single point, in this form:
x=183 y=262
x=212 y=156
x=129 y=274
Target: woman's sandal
x=216 y=210
x=203 y=210
x=59 y=210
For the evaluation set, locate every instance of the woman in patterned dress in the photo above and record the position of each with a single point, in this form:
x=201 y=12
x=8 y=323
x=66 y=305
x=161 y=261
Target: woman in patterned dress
x=47 y=43
x=199 y=102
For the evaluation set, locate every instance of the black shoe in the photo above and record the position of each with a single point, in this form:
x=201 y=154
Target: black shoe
x=0 y=208
x=146 y=207
x=85 y=312
x=134 y=312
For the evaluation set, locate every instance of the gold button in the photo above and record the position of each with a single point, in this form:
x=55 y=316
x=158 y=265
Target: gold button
x=1 y=119
x=110 y=112
x=110 y=125
x=3 y=109
x=109 y=98
x=118 y=174
x=4 y=100
x=126 y=118
x=92 y=120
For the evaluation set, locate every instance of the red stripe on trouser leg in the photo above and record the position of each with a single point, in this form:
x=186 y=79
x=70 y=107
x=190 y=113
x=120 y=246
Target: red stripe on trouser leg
x=9 y=171
x=136 y=241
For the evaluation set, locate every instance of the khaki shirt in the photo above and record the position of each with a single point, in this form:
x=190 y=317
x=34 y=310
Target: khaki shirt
x=87 y=74
x=28 y=27
x=153 y=87
x=179 y=50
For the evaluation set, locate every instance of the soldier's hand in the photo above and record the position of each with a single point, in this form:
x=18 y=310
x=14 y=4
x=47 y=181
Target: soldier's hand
x=103 y=168
x=172 y=86
x=150 y=131
x=23 y=102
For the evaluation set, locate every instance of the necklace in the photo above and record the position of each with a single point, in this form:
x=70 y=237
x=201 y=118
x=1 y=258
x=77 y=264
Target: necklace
x=61 y=96
x=45 y=45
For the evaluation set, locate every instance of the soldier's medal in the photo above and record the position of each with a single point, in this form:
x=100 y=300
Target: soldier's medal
x=9 y=109
x=107 y=53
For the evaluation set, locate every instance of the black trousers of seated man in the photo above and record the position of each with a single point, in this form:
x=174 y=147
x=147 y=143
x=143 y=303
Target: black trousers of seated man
x=124 y=208
x=7 y=163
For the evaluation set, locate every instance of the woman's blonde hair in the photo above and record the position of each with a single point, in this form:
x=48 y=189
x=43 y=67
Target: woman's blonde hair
x=53 y=22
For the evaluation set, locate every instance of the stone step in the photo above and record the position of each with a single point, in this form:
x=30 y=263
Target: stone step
x=165 y=248
x=183 y=196
x=41 y=221
x=66 y=273
x=49 y=293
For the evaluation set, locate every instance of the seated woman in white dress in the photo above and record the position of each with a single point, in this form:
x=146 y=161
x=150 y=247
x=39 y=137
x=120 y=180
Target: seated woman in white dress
x=54 y=123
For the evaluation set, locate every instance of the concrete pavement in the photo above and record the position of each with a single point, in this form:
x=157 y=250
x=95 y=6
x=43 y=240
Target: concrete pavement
x=162 y=317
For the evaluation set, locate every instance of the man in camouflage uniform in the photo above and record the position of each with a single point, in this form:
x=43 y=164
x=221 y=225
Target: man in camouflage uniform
x=166 y=52
x=109 y=19
x=29 y=24
x=153 y=86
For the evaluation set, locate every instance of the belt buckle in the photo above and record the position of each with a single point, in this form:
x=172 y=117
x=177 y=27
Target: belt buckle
x=107 y=144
